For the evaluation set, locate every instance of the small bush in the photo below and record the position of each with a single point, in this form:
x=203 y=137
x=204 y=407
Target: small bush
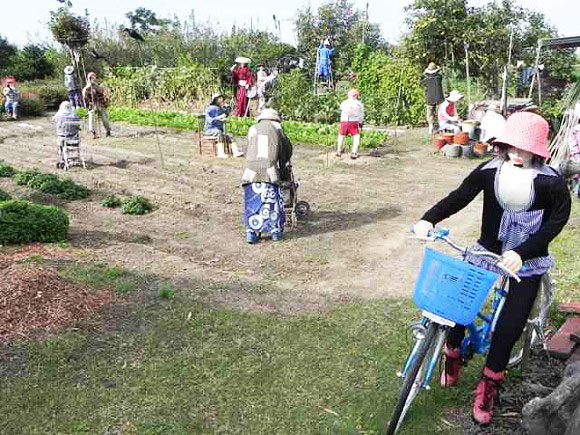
x=31 y=106
x=6 y=170
x=166 y=293
x=111 y=201
x=51 y=93
x=137 y=205
x=4 y=196
x=22 y=178
x=24 y=222
x=38 y=180
x=72 y=191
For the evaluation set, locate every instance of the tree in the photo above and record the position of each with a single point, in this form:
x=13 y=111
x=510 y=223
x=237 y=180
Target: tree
x=146 y=20
x=343 y=25
x=7 y=50
x=32 y=62
x=69 y=29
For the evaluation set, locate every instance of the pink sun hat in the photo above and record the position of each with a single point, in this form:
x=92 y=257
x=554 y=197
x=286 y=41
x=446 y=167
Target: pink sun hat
x=353 y=93
x=526 y=131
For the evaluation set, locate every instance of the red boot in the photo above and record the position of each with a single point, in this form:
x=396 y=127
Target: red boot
x=453 y=364
x=484 y=394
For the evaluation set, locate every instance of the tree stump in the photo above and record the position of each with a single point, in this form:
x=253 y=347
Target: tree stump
x=559 y=412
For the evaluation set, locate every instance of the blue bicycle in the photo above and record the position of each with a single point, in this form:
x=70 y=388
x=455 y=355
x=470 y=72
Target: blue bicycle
x=452 y=291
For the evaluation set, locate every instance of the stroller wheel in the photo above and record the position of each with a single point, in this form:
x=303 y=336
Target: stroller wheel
x=302 y=209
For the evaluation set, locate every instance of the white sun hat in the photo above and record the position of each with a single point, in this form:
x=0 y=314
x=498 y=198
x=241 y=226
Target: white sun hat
x=69 y=69
x=243 y=59
x=455 y=96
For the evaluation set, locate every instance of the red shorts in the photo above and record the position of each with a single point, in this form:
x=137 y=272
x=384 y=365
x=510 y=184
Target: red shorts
x=348 y=128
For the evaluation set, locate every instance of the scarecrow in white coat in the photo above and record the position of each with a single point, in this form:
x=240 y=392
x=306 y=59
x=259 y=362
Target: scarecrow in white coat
x=352 y=114
x=447 y=114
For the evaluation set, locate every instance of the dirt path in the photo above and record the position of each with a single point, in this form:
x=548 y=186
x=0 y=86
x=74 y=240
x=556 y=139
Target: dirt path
x=354 y=245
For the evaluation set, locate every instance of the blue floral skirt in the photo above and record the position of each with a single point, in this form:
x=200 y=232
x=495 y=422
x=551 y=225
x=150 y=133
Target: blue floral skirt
x=263 y=208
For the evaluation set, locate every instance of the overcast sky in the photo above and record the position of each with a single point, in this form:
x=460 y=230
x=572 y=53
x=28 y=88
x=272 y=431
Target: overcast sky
x=27 y=18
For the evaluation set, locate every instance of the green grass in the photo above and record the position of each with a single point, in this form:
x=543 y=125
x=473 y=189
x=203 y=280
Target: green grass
x=298 y=132
x=179 y=366
x=566 y=251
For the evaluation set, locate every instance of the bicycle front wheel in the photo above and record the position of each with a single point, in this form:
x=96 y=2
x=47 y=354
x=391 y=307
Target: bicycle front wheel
x=413 y=380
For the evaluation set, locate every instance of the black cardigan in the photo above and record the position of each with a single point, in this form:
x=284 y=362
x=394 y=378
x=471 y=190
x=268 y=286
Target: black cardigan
x=551 y=196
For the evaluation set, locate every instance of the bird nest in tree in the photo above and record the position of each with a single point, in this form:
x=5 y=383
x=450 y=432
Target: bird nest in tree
x=69 y=29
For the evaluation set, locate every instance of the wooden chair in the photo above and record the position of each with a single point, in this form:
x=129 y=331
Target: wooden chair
x=208 y=144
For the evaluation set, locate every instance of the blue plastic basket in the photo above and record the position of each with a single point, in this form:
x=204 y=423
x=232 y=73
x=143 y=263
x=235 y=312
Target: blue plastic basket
x=452 y=288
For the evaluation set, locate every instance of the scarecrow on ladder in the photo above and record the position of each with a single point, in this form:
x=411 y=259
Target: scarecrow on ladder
x=324 y=55
x=243 y=79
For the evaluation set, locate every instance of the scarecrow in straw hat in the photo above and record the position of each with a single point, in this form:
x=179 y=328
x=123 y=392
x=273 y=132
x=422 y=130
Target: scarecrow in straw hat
x=11 y=97
x=433 y=83
x=351 y=118
x=97 y=103
x=242 y=79
x=525 y=204
x=492 y=123
x=267 y=166
x=72 y=87
x=447 y=115
x=215 y=116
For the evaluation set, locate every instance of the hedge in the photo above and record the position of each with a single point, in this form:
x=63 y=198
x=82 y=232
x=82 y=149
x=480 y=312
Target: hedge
x=24 y=222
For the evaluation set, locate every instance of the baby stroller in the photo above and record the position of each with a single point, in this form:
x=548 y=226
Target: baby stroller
x=69 y=144
x=294 y=209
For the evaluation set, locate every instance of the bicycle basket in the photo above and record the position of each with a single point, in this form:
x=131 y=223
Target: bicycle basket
x=452 y=288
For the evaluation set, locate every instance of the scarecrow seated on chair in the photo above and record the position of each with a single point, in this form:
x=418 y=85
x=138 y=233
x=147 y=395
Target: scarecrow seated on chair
x=215 y=117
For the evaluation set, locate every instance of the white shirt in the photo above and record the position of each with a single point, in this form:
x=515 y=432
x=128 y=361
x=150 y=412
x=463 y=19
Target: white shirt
x=492 y=125
x=352 y=110
x=514 y=188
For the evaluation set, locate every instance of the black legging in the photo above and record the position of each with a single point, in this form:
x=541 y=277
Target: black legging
x=510 y=325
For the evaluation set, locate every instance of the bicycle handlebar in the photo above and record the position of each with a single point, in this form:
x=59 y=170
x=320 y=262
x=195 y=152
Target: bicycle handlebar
x=442 y=233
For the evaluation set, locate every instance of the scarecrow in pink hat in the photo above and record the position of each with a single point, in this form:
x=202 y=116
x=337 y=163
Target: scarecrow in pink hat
x=97 y=103
x=11 y=97
x=525 y=205
x=352 y=114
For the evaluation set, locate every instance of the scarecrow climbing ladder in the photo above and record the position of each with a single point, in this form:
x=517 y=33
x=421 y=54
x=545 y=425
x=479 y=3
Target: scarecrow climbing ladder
x=322 y=86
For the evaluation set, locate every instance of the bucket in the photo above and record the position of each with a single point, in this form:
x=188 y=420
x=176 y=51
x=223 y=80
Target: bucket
x=480 y=149
x=438 y=142
x=466 y=150
x=468 y=126
x=448 y=137
x=461 y=138
x=453 y=150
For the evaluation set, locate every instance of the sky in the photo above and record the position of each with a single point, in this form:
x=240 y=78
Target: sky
x=28 y=18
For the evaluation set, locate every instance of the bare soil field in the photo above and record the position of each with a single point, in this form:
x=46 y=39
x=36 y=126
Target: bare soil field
x=354 y=245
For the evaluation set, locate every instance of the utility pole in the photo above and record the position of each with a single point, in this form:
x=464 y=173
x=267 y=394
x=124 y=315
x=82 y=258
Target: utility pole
x=365 y=24
x=466 y=46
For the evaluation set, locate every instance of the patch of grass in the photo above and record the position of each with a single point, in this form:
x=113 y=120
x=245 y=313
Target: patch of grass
x=6 y=170
x=4 y=196
x=51 y=184
x=181 y=235
x=567 y=255
x=97 y=275
x=137 y=205
x=34 y=259
x=111 y=201
x=166 y=291
x=124 y=287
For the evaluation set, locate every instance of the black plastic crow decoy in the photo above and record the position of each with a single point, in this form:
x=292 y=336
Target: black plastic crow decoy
x=133 y=34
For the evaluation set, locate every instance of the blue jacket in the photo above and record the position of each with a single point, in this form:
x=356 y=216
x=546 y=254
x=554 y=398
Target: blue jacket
x=211 y=114
x=324 y=53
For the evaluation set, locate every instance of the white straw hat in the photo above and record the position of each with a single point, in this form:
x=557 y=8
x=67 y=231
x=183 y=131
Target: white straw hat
x=68 y=69
x=243 y=59
x=454 y=96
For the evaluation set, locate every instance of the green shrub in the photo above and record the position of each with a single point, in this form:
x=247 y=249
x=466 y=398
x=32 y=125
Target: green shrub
x=24 y=222
x=31 y=106
x=52 y=93
x=38 y=180
x=4 y=196
x=6 y=170
x=136 y=205
x=22 y=178
x=72 y=191
x=111 y=201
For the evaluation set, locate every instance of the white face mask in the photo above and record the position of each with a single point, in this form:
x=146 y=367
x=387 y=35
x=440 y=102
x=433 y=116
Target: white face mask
x=520 y=158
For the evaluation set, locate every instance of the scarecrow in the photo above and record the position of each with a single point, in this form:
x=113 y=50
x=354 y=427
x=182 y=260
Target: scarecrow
x=11 y=96
x=97 y=103
x=432 y=81
x=324 y=55
x=351 y=118
x=525 y=205
x=215 y=116
x=243 y=79
x=72 y=87
x=447 y=114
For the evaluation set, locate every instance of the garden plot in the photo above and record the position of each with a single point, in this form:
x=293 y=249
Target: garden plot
x=355 y=244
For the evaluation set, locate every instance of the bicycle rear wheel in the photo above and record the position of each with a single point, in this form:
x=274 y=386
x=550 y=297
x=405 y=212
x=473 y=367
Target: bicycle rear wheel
x=413 y=380
x=537 y=321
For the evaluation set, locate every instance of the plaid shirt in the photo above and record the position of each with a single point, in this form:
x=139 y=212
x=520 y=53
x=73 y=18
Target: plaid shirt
x=94 y=96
